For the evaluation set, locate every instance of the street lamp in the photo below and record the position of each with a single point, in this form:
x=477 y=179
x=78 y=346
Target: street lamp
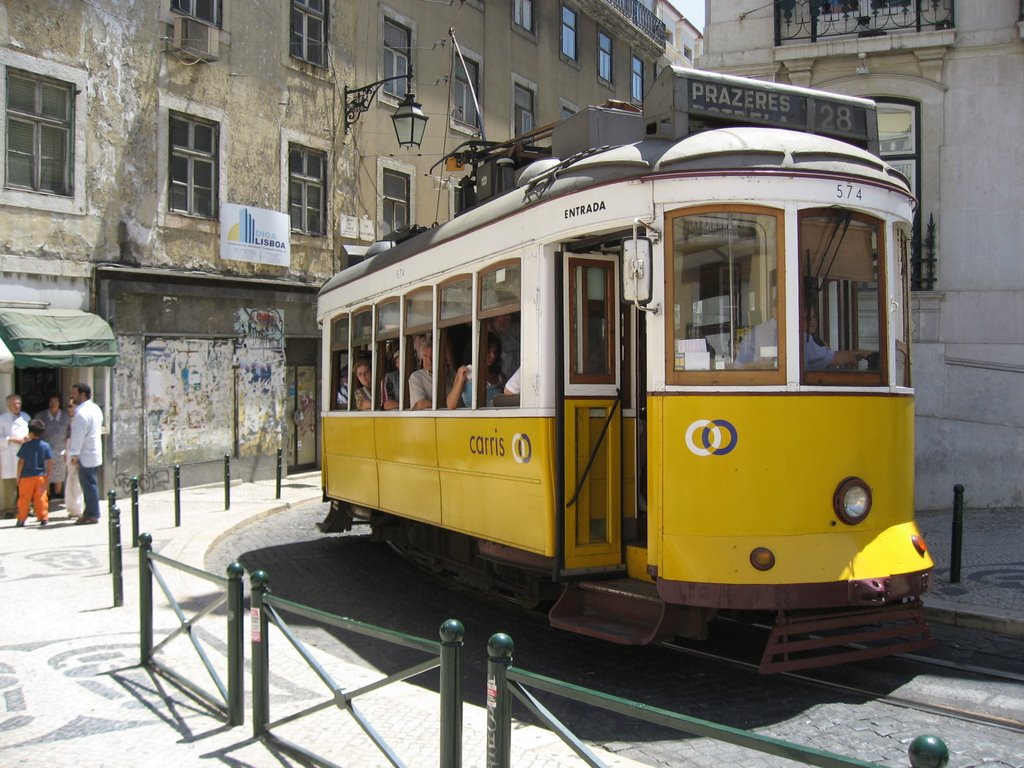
x=409 y=120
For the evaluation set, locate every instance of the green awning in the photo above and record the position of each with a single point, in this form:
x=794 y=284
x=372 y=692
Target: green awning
x=57 y=338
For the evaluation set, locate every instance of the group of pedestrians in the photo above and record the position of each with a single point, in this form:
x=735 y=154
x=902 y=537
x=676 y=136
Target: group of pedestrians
x=58 y=450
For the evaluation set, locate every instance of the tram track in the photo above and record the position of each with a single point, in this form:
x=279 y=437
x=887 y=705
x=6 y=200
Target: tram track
x=1013 y=725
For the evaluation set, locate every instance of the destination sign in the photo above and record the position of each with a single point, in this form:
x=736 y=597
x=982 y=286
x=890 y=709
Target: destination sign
x=725 y=100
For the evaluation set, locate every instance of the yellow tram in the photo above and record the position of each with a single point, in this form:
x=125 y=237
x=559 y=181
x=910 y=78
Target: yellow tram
x=656 y=374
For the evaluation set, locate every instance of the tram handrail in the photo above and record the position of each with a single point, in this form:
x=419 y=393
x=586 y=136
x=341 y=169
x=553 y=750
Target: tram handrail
x=447 y=657
x=232 y=692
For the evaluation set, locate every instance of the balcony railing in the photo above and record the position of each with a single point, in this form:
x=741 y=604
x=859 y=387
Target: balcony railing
x=811 y=20
x=642 y=18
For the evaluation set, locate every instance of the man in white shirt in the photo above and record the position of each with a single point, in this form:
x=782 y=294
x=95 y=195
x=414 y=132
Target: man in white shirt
x=86 y=450
x=13 y=432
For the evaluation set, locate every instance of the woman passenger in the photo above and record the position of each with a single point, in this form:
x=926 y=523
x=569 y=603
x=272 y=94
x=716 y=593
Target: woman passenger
x=363 y=394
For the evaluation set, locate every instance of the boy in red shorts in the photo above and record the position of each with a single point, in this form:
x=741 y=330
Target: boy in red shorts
x=35 y=460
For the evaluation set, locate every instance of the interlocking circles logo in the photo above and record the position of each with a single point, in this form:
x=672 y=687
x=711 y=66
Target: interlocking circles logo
x=711 y=438
x=522 y=449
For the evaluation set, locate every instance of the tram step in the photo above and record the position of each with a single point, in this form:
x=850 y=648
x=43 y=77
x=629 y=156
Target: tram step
x=810 y=640
x=623 y=611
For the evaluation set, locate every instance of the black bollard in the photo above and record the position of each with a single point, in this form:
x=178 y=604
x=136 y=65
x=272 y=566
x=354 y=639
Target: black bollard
x=957 y=541
x=117 y=566
x=227 y=481
x=135 y=512
x=278 y=474
x=177 y=496
x=111 y=498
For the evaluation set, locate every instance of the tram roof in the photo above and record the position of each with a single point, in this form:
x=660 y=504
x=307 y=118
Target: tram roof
x=722 y=149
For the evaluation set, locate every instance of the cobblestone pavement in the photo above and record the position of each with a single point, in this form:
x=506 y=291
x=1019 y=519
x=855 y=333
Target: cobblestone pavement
x=72 y=691
x=354 y=577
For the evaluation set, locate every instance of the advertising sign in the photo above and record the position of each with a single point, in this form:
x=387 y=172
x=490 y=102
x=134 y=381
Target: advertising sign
x=255 y=234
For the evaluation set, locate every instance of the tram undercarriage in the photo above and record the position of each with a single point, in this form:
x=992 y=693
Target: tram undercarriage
x=631 y=612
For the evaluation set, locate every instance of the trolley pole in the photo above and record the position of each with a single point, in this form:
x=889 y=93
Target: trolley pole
x=227 y=481
x=956 y=543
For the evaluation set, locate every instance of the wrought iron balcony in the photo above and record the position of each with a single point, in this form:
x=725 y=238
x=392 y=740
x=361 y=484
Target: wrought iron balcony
x=641 y=17
x=811 y=20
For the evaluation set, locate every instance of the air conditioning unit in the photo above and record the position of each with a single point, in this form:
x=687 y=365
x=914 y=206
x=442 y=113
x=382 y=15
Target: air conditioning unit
x=196 y=37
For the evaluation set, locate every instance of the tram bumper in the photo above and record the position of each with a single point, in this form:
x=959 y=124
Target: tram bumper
x=882 y=591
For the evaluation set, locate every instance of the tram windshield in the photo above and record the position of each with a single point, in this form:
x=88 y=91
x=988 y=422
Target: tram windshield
x=841 y=310
x=726 y=304
x=729 y=306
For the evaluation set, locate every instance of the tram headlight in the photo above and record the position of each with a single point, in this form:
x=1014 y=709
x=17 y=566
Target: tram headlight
x=852 y=500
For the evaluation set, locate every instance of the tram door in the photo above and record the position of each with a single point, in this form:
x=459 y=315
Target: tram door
x=592 y=414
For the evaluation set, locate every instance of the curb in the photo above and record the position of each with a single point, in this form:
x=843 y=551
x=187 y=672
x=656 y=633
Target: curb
x=282 y=507
x=1000 y=620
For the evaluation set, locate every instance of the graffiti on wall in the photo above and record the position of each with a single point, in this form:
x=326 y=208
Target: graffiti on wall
x=262 y=398
x=189 y=400
x=260 y=328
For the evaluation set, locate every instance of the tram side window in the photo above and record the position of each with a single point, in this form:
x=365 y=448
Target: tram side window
x=361 y=389
x=842 y=310
x=727 y=309
x=499 y=334
x=419 y=346
x=386 y=387
x=456 y=348
x=339 y=363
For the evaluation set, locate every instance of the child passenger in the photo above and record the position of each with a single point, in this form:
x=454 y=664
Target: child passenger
x=35 y=463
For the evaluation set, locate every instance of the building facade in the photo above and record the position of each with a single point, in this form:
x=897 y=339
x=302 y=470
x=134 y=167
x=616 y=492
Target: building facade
x=181 y=174
x=137 y=135
x=483 y=73
x=948 y=77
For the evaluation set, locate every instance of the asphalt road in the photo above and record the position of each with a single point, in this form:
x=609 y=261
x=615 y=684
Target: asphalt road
x=351 y=576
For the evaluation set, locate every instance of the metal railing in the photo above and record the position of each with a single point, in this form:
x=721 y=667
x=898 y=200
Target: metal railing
x=232 y=693
x=641 y=17
x=447 y=657
x=504 y=682
x=798 y=21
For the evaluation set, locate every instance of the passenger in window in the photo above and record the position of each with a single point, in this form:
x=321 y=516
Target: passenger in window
x=459 y=394
x=456 y=353
x=342 y=397
x=421 y=382
x=363 y=394
x=508 y=331
x=513 y=386
x=492 y=368
x=389 y=383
